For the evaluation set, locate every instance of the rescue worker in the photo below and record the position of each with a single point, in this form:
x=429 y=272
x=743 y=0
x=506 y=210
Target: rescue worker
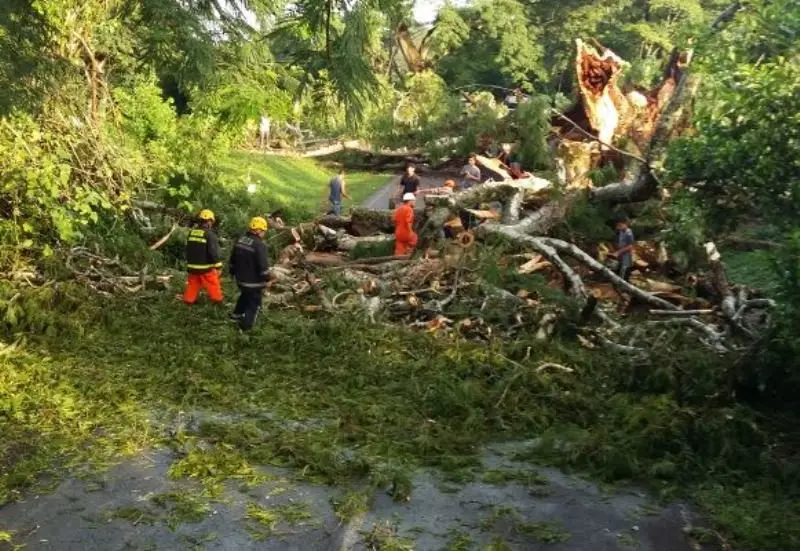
x=249 y=267
x=203 y=261
x=404 y=237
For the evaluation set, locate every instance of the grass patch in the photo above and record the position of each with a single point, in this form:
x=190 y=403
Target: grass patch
x=298 y=185
x=497 y=544
x=351 y=505
x=524 y=477
x=383 y=537
x=214 y=465
x=509 y=521
x=134 y=515
x=182 y=508
x=545 y=532
x=459 y=541
x=754 y=269
x=263 y=521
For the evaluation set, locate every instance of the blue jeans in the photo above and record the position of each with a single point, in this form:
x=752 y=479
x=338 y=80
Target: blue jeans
x=336 y=207
x=625 y=266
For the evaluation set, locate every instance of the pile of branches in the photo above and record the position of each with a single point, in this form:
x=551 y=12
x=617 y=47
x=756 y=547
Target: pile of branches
x=440 y=288
x=108 y=276
x=727 y=318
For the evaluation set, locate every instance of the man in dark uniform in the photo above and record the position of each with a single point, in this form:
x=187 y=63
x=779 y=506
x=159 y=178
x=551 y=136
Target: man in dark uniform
x=203 y=261
x=249 y=267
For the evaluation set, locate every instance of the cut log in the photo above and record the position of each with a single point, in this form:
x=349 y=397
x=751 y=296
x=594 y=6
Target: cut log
x=335 y=222
x=489 y=192
x=493 y=168
x=334 y=147
x=364 y=222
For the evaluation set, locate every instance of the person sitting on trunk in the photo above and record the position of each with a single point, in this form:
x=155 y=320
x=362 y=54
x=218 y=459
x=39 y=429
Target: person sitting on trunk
x=471 y=172
x=510 y=162
x=337 y=189
x=404 y=237
x=623 y=248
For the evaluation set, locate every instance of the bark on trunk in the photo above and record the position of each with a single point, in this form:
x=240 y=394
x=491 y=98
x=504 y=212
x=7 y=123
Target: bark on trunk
x=346 y=242
x=643 y=184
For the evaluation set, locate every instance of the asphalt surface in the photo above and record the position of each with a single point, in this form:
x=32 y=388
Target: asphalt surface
x=380 y=199
x=84 y=514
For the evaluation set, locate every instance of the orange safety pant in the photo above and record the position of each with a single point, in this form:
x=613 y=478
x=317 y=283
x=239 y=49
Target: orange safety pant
x=208 y=281
x=404 y=244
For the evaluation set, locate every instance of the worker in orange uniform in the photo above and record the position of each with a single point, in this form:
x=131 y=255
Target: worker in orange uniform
x=203 y=261
x=404 y=237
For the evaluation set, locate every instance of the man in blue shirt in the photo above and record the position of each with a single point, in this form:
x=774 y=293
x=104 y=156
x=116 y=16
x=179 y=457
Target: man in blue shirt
x=623 y=247
x=337 y=190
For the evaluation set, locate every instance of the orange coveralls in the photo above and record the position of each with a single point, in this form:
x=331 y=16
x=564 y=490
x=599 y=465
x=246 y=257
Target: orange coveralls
x=404 y=237
x=203 y=264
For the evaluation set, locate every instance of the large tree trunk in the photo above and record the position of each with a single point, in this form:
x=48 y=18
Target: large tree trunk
x=642 y=183
x=605 y=116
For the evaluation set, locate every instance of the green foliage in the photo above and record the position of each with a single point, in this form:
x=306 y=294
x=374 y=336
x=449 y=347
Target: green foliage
x=687 y=230
x=298 y=187
x=508 y=521
x=181 y=508
x=738 y=161
x=492 y=42
x=351 y=505
x=44 y=198
x=459 y=542
x=383 y=537
x=531 y=123
x=265 y=520
x=743 y=162
x=643 y=33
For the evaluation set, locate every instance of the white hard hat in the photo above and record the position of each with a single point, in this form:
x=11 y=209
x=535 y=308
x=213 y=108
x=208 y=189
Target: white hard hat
x=409 y=197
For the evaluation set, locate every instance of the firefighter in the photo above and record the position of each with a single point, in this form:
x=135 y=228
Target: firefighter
x=203 y=261
x=248 y=265
x=405 y=239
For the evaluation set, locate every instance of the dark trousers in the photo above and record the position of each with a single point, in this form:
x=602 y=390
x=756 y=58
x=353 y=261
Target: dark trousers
x=247 y=306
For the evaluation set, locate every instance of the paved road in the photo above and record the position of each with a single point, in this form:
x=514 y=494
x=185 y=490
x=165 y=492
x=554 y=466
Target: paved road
x=380 y=199
x=118 y=512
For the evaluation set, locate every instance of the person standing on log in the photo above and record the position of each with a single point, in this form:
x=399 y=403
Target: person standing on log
x=471 y=172
x=404 y=237
x=623 y=248
x=337 y=189
x=510 y=161
x=249 y=267
x=203 y=261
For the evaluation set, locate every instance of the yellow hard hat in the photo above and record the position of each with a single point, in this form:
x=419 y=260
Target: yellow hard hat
x=258 y=224
x=206 y=214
